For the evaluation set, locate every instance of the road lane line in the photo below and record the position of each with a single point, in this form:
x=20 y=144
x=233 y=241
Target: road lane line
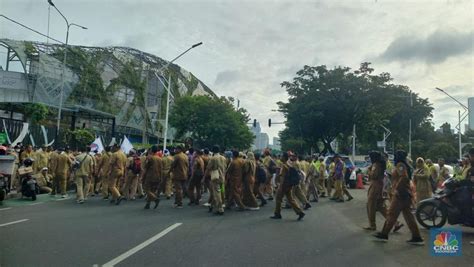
x=5 y=209
x=19 y=221
x=37 y=203
x=141 y=246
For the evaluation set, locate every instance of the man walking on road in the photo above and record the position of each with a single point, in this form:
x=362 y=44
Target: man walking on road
x=338 y=179
x=234 y=175
x=83 y=174
x=179 y=169
x=401 y=202
x=152 y=177
x=285 y=189
x=216 y=170
x=118 y=162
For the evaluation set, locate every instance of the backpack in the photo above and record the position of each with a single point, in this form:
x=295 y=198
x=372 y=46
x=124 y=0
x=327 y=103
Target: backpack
x=136 y=166
x=294 y=176
x=260 y=174
x=272 y=167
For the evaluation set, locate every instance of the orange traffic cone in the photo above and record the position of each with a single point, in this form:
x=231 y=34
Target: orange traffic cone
x=360 y=183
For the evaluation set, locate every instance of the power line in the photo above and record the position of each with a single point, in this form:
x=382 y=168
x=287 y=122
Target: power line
x=31 y=29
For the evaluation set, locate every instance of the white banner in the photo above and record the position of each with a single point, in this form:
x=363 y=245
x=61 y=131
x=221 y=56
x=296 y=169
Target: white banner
x=97 y=145
x=126 y=145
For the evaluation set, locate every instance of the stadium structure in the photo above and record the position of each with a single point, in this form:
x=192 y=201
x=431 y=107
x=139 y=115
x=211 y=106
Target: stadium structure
x=113 y=91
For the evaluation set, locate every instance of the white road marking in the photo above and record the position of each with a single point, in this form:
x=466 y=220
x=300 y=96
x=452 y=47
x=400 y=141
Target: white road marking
x=19 y=221
x=5 y=209
x=37 y=203
x=141 y=246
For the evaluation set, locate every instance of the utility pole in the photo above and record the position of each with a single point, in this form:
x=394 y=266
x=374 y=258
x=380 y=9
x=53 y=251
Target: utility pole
x=409 y=127
x=353 y=143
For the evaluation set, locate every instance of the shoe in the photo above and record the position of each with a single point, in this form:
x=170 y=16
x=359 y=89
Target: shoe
x=307 y=206
x=323 y=195
x=81 y=201
x=381 y=237
x=176 y=206
x=270 y=198
x=119 y=200
x=397 y=227
x=112 y=201
x=340 y=200
x=210 y=209
x=264 y=202
x=276 y=216
x=105 y=198
x=219 y=213
x=370 y=228
x=253 y=208
x=301 y=216
x=64 y=196
x=168 y=197
x=147 y=206
x=350 y=198
x=207 y=204
x=417 y=241
x=156 y=204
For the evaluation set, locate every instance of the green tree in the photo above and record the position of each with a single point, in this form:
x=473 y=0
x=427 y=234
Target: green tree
x=210 y=121
x=324 y=104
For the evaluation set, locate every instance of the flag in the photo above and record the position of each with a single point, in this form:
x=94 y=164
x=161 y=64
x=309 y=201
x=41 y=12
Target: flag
x=97 y=145
x=126 y=145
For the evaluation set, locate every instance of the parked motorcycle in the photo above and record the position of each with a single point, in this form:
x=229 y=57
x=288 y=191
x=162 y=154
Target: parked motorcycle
x=444 y=207
x=29 y=186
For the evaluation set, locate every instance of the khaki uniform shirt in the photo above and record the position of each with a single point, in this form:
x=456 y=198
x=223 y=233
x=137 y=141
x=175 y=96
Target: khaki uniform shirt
x=180 y=167
x=153 y=169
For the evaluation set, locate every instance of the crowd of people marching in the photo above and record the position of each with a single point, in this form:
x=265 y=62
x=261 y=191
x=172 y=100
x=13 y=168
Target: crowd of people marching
x=235 y=180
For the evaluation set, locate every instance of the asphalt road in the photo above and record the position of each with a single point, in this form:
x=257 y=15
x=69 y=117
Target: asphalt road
x=63 y=233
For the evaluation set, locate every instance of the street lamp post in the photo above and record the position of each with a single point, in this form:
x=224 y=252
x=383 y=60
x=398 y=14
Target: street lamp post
x=61 y=93
x=168 y=90
x=461 y=118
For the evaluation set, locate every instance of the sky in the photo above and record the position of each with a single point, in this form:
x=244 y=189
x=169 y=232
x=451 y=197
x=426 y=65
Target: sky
x=250 y=47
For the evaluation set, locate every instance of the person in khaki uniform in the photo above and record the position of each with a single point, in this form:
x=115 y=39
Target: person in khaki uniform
x=42 y=159
x=118 y=162
x=271 y=168
x=152 y=177
x=338 y=179
x=166 y=183
x=207 y=176
x=196 y=179
x=285 y=189
x=248 y=197
x=375 y=201
x=27 y=153
x=401 y=201
x=104 y=171
x=96 y=176
x=421 y=180
x=63 y=166
x=234 y=177
x=443 y=173
x=298 y=189
x=330 y=179
x=179 y=170
x=133 y=174
x=44 y=181
x=216 y=170
x=52 y=166
x=83 y=175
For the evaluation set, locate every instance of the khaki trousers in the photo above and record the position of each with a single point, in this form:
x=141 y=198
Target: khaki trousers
x=59 y=184
x=248 y=197
x=321 y=186
x=83 y=184
x=286 y=190
x=130 y=187
x=338 y=194
x=298 y=192
x=178 y=187
x=331 y=183
x=217 y=195
x=112 y=182
x=235 y=193
x=375 y=202
x=396 y=207
x=105 y=186
x=166 y=185
x=195 y=185
x=152 y=191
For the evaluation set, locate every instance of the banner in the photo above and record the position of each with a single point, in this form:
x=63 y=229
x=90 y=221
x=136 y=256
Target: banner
x=3 y=138
x=97 y=145
x=126 y=145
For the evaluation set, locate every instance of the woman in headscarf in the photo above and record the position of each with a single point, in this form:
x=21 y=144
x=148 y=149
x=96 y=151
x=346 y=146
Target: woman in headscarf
x=421 y=179
x=401 y=201
x=249 y=199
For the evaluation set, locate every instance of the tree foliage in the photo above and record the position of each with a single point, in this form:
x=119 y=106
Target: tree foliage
x=324 y=104
x=211 y=121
